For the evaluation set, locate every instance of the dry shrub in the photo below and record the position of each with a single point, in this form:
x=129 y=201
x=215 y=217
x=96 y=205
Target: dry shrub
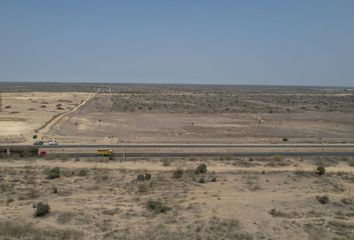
x=42 y=209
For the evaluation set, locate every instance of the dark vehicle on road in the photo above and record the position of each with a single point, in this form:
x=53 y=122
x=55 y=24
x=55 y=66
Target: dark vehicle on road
x=38 y=143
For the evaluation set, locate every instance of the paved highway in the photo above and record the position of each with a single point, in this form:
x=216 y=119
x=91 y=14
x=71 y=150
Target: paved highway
x=274 y=149
x=178 y=145
x=205 y=154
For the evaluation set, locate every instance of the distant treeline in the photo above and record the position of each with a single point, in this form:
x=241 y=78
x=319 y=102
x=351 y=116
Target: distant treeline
x=149 y=88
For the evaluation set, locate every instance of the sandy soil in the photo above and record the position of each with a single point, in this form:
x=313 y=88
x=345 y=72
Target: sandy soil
x=12 y=126
x=23 y=113
x=113 y=118
x=241 y=116
x=239 y=128
x=103 y=200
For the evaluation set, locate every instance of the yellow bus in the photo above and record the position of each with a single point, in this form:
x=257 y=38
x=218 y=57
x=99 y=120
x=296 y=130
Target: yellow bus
x=105 y=152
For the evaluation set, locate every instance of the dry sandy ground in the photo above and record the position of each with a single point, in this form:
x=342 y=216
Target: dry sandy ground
x=249 y=199
x=23 y=113
x=114 y=118
x=112 y=127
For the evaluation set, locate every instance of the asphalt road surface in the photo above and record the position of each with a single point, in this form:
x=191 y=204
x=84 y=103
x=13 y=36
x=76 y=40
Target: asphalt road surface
x=82 y=150
x=205 y=154
x=177 y=145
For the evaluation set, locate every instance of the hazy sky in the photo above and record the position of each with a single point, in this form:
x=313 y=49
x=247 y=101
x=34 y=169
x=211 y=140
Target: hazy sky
x=302 y=42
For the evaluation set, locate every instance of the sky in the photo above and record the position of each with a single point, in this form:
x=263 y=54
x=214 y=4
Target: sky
x=283 y=42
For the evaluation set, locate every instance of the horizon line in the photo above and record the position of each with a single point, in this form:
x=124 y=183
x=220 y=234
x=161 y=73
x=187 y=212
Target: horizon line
x=174 y=84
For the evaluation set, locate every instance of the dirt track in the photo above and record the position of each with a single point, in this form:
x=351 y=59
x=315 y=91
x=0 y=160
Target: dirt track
x=25 y=112
x=48 y=125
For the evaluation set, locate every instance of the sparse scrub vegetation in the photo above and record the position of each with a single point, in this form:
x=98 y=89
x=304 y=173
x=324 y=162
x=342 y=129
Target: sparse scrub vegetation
x=83 y=172
x=323 y=199
x=202 y=179
x=65 y=217
x=176 y=103
x=278 y=161
x=178 y=173
x=55 y=189
x=172 y=203
x=166 y=162
x=32 y=193
x=147 y=176
x=320 y=170
x=9 y=200
x=143 y=188
x=140 y=177
x=201 y=169
x=54 y=173
x=215 y=229
x=24 y=231
x=276 y=213
x=143 y=177
x=42 y=209
x=347 y=201
x=156 y=206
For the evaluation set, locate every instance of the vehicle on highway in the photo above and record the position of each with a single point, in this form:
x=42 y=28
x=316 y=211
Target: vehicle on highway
x=105 y=152
x=42 y=153
x=38 y=142
x=53 y=142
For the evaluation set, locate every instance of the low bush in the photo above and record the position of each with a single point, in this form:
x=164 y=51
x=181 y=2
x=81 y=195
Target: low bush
x=42 y=209
x=202 y=179
x=83 y=172
x=147 y=176
x=276 y=213
x=166 y=163
x=54 y=173
x=157 y=206
x=323 y=199
x=9 y=200
x=140 y=177
x=143 y=188
x=320 y=170
x=278 y=158
x=178 y=173
x=143 y=177
x=201 y=168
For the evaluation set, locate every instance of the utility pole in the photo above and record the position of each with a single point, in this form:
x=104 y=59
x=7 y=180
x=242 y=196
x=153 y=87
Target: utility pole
x=124 y=152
